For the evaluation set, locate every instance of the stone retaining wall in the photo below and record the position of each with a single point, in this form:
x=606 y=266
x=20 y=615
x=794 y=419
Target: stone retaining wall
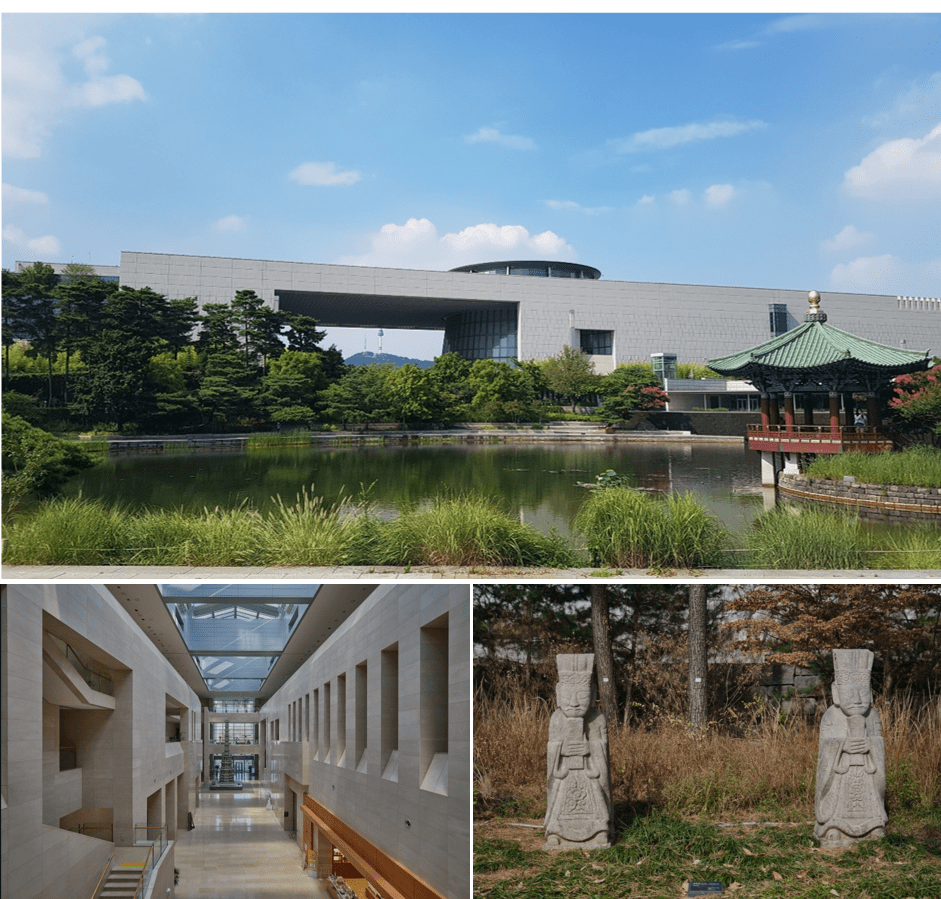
x=872 y=501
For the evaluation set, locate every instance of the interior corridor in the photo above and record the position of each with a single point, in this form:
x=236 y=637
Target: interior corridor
x=239 y=851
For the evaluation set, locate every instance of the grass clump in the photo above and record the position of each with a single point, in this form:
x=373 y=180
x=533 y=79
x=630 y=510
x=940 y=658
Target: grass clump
x=468 y=530
x=627 y=529
x=789 y=537
x=916 y=466
x=914 y=547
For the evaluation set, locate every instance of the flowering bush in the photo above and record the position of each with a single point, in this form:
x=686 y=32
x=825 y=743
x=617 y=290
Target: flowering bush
x=918 y=396
x=633 y=399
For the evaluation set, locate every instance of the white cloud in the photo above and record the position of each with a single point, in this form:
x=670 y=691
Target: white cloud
x=46 y=246
x=909 y=168
x=576 y=207
x=888 y=274
x=664 y=138
x=915 y=105
x=719 y=194
x=323 y=174
x=230 y=223
x=680 y=197
x=38 y=92
x=417 y=244
x=646 y=200
x=849 y=238
x=493 y=136
x=12 y=194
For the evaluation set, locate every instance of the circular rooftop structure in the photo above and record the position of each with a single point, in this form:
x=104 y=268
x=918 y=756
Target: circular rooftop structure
x=533 y=269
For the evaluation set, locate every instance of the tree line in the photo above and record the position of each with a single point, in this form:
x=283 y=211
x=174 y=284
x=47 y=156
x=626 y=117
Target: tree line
x=81 y=351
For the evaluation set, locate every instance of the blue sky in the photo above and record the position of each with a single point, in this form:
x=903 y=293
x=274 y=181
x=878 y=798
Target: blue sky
x=791 y=151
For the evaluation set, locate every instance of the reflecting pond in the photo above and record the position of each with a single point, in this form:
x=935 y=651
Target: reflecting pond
x=537 y=481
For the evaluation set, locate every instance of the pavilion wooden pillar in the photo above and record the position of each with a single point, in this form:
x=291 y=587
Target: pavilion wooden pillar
x=808 y=403
x=873 y=411
x=774 y=412
x=788 y=410
x=834 y=412
x=849 y=410
x=765 y=412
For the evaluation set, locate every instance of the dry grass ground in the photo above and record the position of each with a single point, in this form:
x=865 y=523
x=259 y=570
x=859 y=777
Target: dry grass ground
x=673 y=787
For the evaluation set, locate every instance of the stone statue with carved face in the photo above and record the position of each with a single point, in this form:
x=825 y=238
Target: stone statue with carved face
x=578 y=812
x=850 y=798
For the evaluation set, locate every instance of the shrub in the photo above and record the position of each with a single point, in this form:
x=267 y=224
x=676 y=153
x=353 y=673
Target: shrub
x=787 y=537
x=624 y=528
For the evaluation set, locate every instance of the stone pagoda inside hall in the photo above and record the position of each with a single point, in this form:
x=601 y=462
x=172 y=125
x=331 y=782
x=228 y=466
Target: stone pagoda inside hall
x=226 y=779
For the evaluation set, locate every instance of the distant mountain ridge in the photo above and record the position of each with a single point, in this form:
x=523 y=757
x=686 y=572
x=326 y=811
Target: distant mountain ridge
x=367 y=358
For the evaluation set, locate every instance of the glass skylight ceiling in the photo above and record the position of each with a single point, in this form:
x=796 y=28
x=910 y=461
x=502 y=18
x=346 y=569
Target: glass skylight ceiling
x=236 y=632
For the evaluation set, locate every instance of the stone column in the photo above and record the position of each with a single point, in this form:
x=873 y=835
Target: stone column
x=578 y=811
x=850 y=798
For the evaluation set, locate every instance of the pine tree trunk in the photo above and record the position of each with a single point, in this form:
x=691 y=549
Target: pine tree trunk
x=696 y=627
x=604 y=661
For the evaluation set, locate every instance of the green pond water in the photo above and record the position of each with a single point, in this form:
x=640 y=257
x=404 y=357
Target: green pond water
x=537 y=482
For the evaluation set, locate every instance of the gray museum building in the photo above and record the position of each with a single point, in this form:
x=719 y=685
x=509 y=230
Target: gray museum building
x=531 y=309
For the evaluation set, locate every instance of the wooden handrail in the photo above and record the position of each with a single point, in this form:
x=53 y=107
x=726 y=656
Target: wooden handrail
x=104 y=873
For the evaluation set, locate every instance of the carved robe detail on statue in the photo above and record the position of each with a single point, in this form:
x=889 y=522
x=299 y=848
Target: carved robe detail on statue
x=850 y=798
x=578 y=811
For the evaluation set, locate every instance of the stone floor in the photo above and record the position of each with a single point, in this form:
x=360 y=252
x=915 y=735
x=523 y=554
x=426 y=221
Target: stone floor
x=238 y=851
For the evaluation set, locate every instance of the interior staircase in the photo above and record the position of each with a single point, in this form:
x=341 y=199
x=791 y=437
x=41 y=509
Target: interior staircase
x=122 y=881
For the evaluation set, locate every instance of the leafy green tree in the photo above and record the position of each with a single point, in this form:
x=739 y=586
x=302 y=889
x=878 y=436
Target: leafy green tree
x=179 y=322
x=499 y=391
x=695 y=371
x=571 y=375
x=228 y=388
x=13 y=327
x=82 y=297
x=116 y=387
x=360 y=395
x=289 y=390
x=413 y=395
x=35 y=304
x=217 y=330
x=632 y=374
x=258 y=327
x=450 y=376
x=303 y=335
x=35 y=461
x=174 y=375
x=621 y=406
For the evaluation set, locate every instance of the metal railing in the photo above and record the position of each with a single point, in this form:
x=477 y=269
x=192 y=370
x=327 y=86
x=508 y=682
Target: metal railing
x=156 y=840
x=97 y=680
x=94 y=830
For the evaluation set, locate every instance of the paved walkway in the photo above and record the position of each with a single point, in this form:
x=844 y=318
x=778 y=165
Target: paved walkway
x=156 y=573
x=238 y=851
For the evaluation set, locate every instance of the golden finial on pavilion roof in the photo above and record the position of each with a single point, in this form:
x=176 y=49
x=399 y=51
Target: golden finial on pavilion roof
x=813 y=312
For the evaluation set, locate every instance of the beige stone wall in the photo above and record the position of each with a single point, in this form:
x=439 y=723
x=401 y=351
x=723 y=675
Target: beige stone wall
x=122 y=754
x=418 y=811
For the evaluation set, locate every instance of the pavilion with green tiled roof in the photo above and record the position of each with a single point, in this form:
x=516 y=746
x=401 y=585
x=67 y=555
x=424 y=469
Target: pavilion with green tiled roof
x=814 y=359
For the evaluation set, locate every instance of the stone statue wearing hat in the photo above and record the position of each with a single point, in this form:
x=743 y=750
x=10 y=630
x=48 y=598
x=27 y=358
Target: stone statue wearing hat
x=578 y=812
x=850 y=799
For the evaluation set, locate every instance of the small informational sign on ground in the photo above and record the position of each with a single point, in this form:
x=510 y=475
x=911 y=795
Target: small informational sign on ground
x=705 y=888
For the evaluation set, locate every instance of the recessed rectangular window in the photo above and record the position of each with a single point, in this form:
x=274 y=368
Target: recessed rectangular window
x=341 y=719
x=777 y=313
x=315 y=748
x=389 y=713
x=597 y=343
x=307 y=717
x=361 y=718
x=433 y=682
x=325 y=756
